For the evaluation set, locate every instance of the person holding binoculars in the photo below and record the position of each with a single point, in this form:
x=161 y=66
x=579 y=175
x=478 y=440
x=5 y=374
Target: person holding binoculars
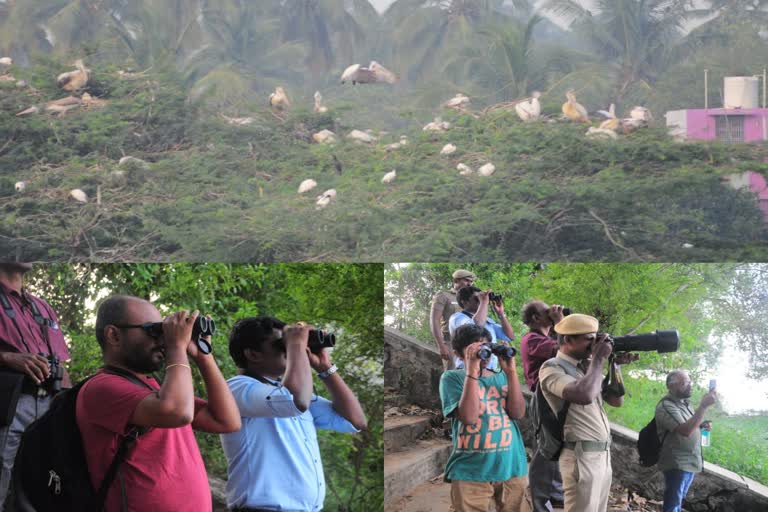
x=476 y=305
x=488 y=461
x=32 y=347
x=163 y=469
x=274 y=461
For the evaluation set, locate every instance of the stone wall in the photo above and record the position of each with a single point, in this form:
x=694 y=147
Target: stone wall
x=414 y=371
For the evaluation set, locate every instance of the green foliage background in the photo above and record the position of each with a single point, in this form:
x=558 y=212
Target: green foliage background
x=345 y=298
x=699 y=300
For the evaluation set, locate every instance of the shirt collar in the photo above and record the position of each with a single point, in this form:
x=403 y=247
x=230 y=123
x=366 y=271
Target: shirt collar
x=563 y=355
x=684 y=401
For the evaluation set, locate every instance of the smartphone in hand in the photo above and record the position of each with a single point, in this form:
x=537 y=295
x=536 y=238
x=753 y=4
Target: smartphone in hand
x=712 y=384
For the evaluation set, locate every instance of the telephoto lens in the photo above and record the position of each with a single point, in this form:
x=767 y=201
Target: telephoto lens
x=661 y=341
x=318 y=340
x=203 y=327
x=499 y=349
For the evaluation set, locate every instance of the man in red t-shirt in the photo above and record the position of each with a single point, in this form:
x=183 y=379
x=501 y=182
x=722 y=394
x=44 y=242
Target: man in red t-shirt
x=537 y=346
x=163 y=470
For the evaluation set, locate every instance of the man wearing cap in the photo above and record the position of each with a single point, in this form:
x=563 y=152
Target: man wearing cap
x=28 y=327
x=585 y=459
x=444 y=304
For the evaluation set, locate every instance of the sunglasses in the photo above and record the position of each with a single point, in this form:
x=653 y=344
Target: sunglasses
x=153 y=329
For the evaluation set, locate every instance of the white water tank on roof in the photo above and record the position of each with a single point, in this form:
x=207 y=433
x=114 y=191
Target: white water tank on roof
x=741 y=92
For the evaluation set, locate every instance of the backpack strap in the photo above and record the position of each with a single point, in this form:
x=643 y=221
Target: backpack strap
x=125 y=443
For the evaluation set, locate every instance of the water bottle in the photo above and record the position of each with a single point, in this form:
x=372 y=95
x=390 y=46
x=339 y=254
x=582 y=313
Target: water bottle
x=705 y=440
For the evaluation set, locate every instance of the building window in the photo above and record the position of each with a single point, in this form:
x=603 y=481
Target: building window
x=729 y=128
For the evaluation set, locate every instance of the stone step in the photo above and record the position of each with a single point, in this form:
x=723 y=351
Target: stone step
x=422 y=461
x=401 y=431
x=394 y=400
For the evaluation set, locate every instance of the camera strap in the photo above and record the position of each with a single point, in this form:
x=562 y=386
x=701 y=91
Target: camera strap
x=10 y=313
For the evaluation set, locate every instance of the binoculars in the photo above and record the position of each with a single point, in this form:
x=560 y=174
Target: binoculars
x=53 y=382
x=660 y=341
x=318 y=340
x=203 y=327
x=497 y=349
x=495 y=297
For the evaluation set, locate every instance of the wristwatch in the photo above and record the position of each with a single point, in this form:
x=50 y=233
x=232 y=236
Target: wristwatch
x=327 y=373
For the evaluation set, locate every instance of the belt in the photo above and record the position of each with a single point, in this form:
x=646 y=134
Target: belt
x=588 y=446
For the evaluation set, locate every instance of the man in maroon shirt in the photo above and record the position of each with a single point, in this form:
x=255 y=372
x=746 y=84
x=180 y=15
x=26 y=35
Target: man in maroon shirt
x=163 y=470
x=28 y=328
x=537 y=346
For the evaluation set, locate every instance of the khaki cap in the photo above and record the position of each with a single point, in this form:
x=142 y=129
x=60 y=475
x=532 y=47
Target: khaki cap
x=577 y=324
x=461 y=273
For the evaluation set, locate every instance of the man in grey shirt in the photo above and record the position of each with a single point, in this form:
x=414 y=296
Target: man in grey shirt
x=679 y=429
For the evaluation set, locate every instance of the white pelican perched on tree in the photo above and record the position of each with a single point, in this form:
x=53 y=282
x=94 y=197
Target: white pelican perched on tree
x=458 y=102
x=319 y=107
x=74 y=80
x=374 y=73
x=573 y=110
x=611 y=122
x=278 y=100
x=529 y=109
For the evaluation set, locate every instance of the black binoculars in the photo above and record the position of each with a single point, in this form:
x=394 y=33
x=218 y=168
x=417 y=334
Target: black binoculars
x=495 y=297
x=318 y=340
x=204 y=326
x=497 y=349
x=53 y=383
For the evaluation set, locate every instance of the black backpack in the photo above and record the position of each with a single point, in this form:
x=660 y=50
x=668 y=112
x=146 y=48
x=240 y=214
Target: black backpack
x=50 y=472
x=648 y=443
x=548 y=426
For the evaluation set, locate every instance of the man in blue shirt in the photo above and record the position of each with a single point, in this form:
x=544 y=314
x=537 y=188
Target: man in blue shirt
x=475 y=307
x=274 y=460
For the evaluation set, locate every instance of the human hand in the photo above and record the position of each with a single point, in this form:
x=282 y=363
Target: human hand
x=498 y=307
x=555 y=313
x=193 y=350
x=601 y=348
x=472 y=362
x=709 y=399
x=320 y=362
x=507 y=365
x=445 y=352
x=33 y=365
x=177 y=329
x=296 y=335
x=625 y=357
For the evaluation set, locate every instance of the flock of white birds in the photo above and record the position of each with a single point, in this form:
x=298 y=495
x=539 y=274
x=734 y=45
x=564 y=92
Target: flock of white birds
x=527 y=109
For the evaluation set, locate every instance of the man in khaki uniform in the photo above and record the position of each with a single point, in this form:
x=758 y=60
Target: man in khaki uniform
x=585 y=460
x=679 y=428
x=444 y=304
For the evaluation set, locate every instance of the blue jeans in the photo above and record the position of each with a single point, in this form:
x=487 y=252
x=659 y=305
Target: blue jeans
x=676 y=484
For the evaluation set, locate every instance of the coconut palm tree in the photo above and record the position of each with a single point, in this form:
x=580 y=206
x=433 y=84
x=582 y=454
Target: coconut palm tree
x=635 y=38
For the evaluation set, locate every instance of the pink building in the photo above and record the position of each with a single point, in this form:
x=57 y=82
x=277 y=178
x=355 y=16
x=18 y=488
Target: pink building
x=727 y=125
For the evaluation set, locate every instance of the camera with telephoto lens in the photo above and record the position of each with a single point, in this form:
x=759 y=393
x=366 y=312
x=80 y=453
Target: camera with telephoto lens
x=203 y=327
x=53 y=383
x=495 y=297
x=660 y=341
x=318 y=340
x=498 y=349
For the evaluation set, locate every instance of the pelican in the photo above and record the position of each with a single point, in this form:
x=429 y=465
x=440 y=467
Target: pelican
x=78 y=195
x=438 y=125
x=641 y=114
x=74 y=80
x=324 y=137
x=458 y=102
x=487 y=169
x=465 y=170
x=448 y=149
x=20 y=186
x=574 y=110
x=374 y=73
x=307 y=185
x=529 y=109
x=6 y=61
x=319 y=108
x=611 y=122
x=389 y=177
x=278 y=100
x=325 y=198
x=361 y=136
